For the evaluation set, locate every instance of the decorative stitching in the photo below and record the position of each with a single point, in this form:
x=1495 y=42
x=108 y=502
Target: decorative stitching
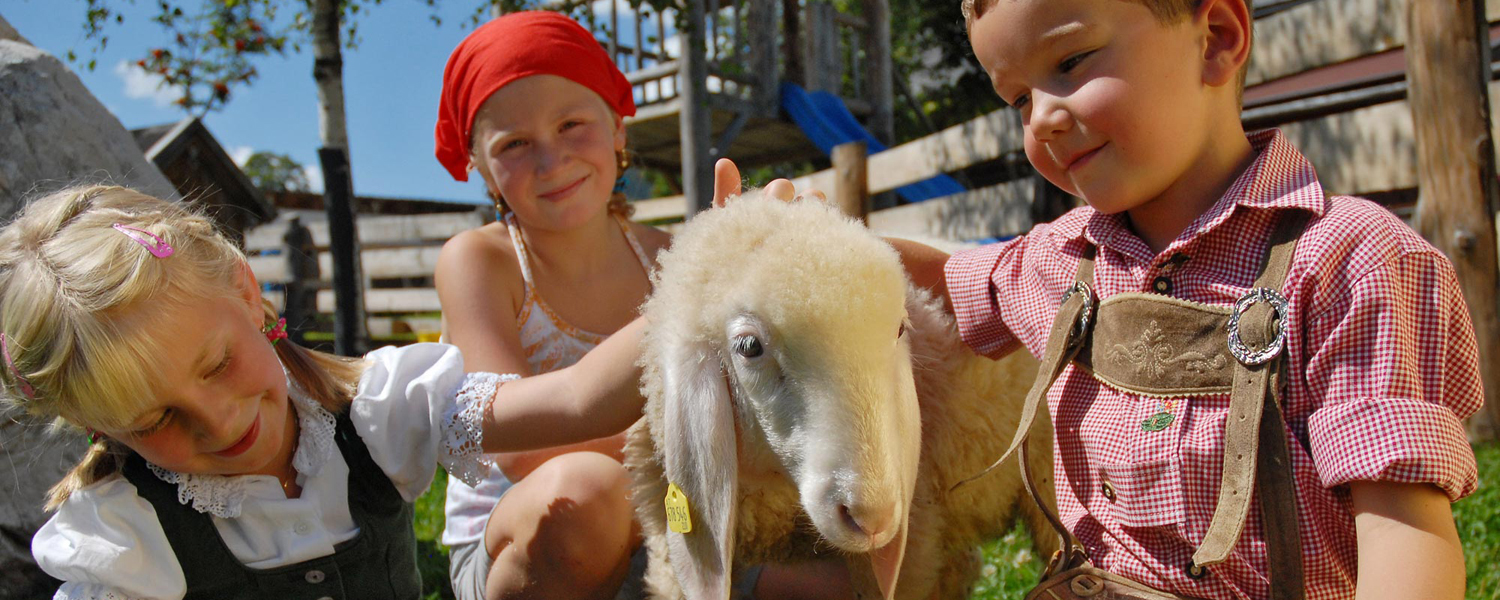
x=1152 y=355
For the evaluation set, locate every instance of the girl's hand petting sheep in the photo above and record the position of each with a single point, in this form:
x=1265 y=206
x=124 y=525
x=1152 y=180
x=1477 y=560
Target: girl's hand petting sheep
x=727 y=185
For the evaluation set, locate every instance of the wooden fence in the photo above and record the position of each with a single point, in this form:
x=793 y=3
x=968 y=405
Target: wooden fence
x=399 y=254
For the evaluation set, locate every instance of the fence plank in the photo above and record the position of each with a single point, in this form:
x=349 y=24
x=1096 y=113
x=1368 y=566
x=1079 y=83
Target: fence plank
x=374 y=230
x=379 y=263
x=389 y=300
x=996 y=211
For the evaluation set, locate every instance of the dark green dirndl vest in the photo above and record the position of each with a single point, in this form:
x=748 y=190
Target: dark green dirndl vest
x=378 y=563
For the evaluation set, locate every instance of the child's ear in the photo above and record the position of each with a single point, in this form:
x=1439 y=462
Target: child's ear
x=1226 y=25
x=249 y=289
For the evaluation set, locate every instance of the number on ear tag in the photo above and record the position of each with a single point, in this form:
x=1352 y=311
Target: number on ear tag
x=677 y=510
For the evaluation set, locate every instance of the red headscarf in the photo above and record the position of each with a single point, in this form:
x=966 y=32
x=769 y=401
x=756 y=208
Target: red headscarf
x=511 y=47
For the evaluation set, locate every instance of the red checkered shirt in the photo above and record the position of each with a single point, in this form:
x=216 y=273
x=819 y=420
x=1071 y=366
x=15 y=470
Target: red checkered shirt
x=1381 y=367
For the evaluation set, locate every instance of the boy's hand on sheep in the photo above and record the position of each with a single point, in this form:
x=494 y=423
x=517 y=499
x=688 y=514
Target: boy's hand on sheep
x=727 y=184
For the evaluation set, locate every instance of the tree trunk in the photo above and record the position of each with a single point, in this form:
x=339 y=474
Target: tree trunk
x=1448 y=69
x=350 y=337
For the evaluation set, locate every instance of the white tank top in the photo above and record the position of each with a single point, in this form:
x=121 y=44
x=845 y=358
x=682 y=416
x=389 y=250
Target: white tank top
x=550 y=343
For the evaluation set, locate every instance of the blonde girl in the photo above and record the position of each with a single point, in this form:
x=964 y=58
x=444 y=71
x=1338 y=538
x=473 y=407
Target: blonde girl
x=225 y=462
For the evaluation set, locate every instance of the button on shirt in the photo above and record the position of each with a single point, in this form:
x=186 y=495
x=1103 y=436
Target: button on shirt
x=1381 y=367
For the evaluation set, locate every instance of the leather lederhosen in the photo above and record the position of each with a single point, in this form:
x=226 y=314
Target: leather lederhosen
x=380 y=562
x=1239 y=352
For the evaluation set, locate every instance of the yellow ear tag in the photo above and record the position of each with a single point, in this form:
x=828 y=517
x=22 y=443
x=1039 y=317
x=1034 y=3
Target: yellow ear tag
x=677 y=510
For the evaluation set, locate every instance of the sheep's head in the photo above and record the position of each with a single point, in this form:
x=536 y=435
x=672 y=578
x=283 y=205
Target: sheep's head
x=789 y=319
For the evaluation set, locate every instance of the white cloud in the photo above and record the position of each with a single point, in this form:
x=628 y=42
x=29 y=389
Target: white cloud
x=149 y=86
x=314 y=175
x=240 y=154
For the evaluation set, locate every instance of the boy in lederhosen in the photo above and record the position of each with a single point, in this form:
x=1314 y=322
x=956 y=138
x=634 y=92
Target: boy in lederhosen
x=1257 y=389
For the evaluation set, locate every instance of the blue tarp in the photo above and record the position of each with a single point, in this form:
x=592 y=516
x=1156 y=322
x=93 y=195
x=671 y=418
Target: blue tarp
x=827 y=122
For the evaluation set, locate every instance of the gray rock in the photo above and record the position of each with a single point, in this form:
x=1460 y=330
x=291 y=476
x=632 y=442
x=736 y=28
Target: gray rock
x=53 y=133
x=31 y=460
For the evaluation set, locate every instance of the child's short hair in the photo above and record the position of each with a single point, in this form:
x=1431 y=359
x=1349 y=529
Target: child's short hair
x=79 y=298
x=1165 y=11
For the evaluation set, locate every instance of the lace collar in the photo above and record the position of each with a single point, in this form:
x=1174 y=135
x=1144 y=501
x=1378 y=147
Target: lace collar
x=221 y=495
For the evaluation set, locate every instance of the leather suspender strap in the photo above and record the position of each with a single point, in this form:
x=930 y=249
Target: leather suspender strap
x=1069 y=330
x=1255 y=447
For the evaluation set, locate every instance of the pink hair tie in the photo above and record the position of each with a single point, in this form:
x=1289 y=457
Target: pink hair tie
x=275 y=333
x=156 y=246
x=21 y=381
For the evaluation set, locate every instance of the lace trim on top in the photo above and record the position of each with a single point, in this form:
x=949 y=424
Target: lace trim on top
x=463 y=432
x=221 y=495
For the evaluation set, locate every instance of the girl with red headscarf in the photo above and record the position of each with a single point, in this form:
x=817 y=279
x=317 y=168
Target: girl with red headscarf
x=533 y=103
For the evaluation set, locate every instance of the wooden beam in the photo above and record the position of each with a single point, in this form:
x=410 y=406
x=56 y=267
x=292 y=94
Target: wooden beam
x=1324 y=32
x=1448 y=65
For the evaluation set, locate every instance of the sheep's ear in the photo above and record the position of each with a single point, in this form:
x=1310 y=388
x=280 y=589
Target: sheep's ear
x=699 y=453
x=886 y=562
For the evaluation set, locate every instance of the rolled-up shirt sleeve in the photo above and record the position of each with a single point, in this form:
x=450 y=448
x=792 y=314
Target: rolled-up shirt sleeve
x=105 y=542
x=974 y=278
x=417 y=408
x=1394 y=368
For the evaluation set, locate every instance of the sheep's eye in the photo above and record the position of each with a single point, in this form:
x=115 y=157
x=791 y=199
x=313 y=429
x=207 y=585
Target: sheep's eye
x=902 y=331
x=748 y=346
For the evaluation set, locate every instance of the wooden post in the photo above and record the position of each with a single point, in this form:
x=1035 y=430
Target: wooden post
x=851 y=188
x=697 y=165
x=791 y=35
x=824 y=63
x=880 y=68
x=1448 y=70
x=763 y=53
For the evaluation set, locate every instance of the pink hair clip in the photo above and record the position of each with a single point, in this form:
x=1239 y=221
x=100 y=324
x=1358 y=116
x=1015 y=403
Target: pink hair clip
x=21 y=381
x=156 y=246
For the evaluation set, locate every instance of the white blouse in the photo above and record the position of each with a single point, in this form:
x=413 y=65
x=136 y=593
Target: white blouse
x=414 y=408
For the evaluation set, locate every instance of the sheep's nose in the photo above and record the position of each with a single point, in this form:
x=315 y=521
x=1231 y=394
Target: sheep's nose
x=870 y=520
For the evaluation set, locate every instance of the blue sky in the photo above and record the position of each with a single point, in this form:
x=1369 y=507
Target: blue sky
x=391 y=81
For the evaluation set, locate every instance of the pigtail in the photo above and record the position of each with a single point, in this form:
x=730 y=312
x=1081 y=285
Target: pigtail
x=330 y=380
x=104 y=459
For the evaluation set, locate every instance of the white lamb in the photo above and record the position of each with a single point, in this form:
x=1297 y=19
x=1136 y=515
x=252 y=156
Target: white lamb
x=805 y=398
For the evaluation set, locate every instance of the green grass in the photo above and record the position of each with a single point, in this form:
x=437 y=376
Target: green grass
x=1011 y=568
x=432 y=555
x=1478 y=518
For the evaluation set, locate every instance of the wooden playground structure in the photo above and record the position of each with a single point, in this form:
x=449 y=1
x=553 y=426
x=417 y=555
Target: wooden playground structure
x=1390 y=99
